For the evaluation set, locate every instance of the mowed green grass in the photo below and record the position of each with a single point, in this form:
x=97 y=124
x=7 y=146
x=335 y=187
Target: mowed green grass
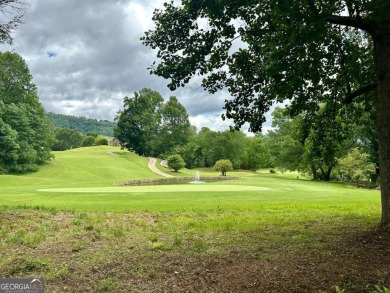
x=90 y=166
x=82 y=180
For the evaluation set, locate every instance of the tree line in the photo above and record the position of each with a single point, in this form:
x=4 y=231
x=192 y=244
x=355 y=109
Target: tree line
x=319 y=145
x=67 y=139
x=150 y=127
x=324 y=146
x=82 y=124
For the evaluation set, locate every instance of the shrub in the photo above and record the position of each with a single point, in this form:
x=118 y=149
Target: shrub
x=88 y=141
x=175 y=162
x=101 y=141
x=66 y=139
x=223 y=166
x=356 y=166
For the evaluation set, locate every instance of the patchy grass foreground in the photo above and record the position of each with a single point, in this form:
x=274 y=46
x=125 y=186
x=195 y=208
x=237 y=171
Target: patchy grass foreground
x=280 y=249
x=265 y=233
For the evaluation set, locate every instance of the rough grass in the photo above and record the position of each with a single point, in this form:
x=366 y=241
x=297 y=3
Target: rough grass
x=265 y=233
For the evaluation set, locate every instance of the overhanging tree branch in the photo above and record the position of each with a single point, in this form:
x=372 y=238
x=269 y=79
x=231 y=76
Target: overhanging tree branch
x=365 y=89
x=358 y=22
x=13 y=10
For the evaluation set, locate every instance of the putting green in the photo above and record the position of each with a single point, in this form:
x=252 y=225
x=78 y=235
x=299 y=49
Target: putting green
x=157 y=188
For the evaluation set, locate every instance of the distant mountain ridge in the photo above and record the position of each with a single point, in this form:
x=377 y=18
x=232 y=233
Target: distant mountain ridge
x=82 y=124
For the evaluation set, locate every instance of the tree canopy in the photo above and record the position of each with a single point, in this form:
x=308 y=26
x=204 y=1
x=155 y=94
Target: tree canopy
x=148 y=126
x=175 y=125
x=25 y=133
x=223 y=166
x=206 y=147
x=266 y=51
x=138 y=122
x=312 y=143
x=355 y=166
x=66 y=139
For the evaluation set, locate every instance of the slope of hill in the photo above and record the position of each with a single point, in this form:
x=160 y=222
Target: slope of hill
x=88 y=166
x=82 y=124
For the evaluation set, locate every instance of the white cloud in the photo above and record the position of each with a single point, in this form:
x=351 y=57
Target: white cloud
x=214 y=122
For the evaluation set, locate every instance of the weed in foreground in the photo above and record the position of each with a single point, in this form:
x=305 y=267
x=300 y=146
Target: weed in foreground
x=25 y=265
x=58 y=273
x=157 y=245
x=177 y=240
x=24 y=237
x=77 y=246
x=118 y=232
x=109 y=285
x=381 y=289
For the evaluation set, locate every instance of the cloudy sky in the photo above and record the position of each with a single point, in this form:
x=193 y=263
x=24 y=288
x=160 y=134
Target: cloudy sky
x=86 y=55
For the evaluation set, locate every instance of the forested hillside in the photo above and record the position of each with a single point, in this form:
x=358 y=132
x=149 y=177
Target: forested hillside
x=82 y=124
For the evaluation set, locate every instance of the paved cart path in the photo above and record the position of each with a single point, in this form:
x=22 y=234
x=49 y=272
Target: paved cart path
x=152 y=166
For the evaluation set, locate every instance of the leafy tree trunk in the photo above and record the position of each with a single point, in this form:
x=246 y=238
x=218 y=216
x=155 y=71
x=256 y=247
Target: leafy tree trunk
x=382 y=59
